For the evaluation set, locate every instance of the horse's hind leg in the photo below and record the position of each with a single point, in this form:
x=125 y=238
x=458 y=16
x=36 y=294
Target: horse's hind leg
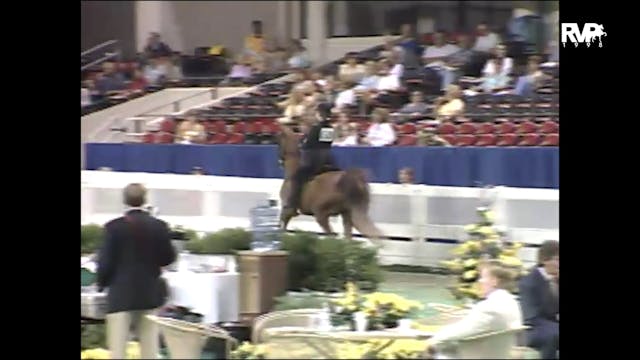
x=347 y=224
x=323 y=220
x=285 y=217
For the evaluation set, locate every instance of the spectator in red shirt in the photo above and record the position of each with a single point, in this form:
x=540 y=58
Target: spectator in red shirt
x=139 y=83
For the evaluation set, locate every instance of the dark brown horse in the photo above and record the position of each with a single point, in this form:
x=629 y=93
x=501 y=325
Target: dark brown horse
x=344 y=193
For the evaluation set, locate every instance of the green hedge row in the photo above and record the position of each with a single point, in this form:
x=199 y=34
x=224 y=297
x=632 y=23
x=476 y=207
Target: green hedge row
x=314 y=264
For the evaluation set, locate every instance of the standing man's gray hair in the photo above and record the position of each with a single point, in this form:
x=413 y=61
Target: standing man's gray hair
x=135 y=195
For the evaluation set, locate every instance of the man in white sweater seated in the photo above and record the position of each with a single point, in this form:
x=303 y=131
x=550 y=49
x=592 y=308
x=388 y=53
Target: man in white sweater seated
x=499 y=311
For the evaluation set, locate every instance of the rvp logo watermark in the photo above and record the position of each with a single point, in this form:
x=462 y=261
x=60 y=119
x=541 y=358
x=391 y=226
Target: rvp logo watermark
x=588 y=35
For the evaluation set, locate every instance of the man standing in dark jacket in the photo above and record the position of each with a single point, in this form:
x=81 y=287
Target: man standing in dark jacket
x=316 y=154
x=539 y=300
x=135 y=249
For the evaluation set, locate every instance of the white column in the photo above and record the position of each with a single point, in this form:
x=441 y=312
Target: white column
x=317 y=30
x=340 y=18
x=295 y=18
x=282 y=22
x=148 y=20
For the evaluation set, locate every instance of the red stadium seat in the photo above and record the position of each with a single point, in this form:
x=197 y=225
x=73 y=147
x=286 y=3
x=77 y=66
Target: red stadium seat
x=236 y=139
x=529 y=139
x=238 y=127
x=408 y=128
x=487 y=140
x=219 y=138
x=148 y=138
x=527 y=127
x=450 y=138
x=507 y=140
x=549 y=127
x=251 y=128
x=446 y=128
x=551 y=140
x=467 y=128
x=164 y=138
x=218 y=126
x=486 y=128
x=168 y=125
x=466 y=140
x=270 y=128
x=407 y=140
x=506 y=128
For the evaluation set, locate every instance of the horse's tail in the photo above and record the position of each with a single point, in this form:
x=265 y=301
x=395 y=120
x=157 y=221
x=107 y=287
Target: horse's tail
x=353 y=184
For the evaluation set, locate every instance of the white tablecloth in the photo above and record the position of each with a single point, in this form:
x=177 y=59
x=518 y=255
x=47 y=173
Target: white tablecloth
x=214 y=295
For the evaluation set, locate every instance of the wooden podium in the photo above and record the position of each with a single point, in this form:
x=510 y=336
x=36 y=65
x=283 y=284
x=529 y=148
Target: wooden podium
x=263 y=276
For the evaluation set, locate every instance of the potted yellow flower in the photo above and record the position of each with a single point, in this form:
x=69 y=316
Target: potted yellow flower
x=248 y=351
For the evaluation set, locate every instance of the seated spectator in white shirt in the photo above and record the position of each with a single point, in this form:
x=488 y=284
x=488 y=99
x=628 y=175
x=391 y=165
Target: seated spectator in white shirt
x=173 y=69
x=486 y=41
x=395 y=60
x=351 y=70
x=294 y=107
x=371 y=78
x=499 y=311
x=387 y=81
x=346 y=96
x=497 y=70
x=154 y=73
x=435 y=55
x=299 y=56
x=85 y=96
x=381 y=132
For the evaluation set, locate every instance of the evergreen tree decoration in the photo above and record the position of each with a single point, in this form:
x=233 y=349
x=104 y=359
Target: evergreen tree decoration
x=484 y=242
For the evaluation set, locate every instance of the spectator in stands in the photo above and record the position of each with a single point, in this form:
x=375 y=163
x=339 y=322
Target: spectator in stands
x=380 y=132
x=450 y=105
x=529 y=83
x=456 y=63
x=173 y=69
x=85 y=97
x=138 y=83
x=435 y=55
x=496 y=72
x=299 y=57
x=429 y=137
x=155 y=47
x=294 y=106
x=344 y=131
x=254 y=44
x=406 y=176
x=486 y=40
x=411 y=47
x=346 y=96
x=371 y=77
x=275 y=58
x=387 y=81
x=154 y=73
x=397 y=68
x=240 y=70
x=110 y=81
x=190 y=131
x=416 y=107
x=329 y=89
x=539 y=296
x=351 y=71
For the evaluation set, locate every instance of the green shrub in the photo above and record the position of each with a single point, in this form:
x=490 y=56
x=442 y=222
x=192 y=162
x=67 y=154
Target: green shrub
x=92 y=336
x=91 y=237
x=302 y=259
x=223 y=242
x=331 y=264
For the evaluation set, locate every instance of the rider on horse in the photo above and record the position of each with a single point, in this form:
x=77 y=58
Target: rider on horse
x=316 y=154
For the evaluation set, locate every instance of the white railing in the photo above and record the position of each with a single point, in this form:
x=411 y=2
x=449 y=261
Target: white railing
x=415 y=213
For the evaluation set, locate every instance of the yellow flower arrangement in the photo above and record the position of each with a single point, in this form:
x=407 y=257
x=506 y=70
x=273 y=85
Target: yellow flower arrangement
x=133 y=352
x=249 y=351
x=400 y=349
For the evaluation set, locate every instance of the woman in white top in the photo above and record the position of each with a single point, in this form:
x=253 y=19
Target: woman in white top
x=496 y=71
x=294 y=106
x=450 y=105
x=381 y=132
x=351 y=71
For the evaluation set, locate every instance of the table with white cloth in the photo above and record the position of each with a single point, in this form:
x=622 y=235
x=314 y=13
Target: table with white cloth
x=214 y=295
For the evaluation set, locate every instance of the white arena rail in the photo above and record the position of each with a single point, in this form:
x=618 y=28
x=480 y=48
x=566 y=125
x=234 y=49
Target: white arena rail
x=411 y=214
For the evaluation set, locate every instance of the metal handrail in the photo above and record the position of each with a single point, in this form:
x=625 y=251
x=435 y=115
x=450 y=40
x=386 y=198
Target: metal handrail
x=106 y=43
x=115 y=54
